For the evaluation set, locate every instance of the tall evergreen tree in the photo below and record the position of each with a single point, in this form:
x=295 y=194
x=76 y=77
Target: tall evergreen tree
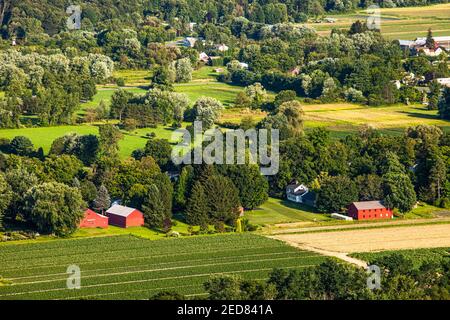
x=444 y=105
x=153 y=208
x=197 y=207
x=183 y=185
x=103 y=201
x=430 y=43
x=433 y=95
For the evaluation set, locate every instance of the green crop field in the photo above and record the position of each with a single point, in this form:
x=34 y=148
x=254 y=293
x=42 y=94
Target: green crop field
x=127 y=267
x=418 y=256
x=398 y=23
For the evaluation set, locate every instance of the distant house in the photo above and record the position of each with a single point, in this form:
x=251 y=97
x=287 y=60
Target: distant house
x=295 y=72
x=92 y=219
x=189 y=42
x=433 y=52
x=222 y=47
x=369 y=210
x=125 y=217
x=243 y=65
x=444 y=81
x=300 y=193
x=203 y=57
x=441 y=44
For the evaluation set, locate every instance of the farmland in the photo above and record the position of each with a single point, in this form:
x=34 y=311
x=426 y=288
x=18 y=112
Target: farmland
x=398 y=23
x=417 y=256
x=378 y=239
x=344 y=118
x=136 y=268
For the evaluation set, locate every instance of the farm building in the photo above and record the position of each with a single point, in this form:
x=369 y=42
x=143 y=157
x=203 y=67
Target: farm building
x=300 y=193
x=125 y=217
x=93 y=220
x=369 y=210
x=444 y=81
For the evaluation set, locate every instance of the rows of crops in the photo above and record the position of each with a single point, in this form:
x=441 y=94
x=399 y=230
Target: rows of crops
x=127 y=267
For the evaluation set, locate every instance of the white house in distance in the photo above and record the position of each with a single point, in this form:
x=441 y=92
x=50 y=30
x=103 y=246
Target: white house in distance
x=442 y=44
x=203 y=57
x=300 y=193
x=243 y=65
x=222 y=47
x=189 y=42
x=444 y=81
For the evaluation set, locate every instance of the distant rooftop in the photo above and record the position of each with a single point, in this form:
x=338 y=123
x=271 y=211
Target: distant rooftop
x=366 y=205
x=119 y=210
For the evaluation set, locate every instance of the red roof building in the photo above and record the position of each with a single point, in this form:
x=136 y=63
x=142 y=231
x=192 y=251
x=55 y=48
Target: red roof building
x=93 y=220
x=125 y=217
x=369 y=210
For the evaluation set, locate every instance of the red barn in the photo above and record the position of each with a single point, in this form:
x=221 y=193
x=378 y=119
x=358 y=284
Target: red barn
x=125 y=217
x=369 y=210
x=93 y=220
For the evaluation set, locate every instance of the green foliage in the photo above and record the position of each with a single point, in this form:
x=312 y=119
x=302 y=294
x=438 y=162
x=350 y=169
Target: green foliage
x=253 y=187
x=54 y=208
x=22 y=146
x=5 y=197
x=223 y=199
x=399 y=192
x=444 y=105
x=197 y=207
x=160 y=150
x=336 y=194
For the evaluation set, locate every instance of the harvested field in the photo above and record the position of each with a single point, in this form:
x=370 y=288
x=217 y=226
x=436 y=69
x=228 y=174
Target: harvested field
x=415 y=237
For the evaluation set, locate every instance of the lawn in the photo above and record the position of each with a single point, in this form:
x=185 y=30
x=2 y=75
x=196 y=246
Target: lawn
x=104 y=94
x=282 y=211
x=398 y=23
x=128 y=267
x=223 y=92
x=44 y=136
x=134 y=78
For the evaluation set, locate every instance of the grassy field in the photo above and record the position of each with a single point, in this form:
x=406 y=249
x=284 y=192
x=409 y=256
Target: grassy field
x=418 y=256
x=281 y=211
x=44 y=136
x=127 y=267
x=398 y=23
